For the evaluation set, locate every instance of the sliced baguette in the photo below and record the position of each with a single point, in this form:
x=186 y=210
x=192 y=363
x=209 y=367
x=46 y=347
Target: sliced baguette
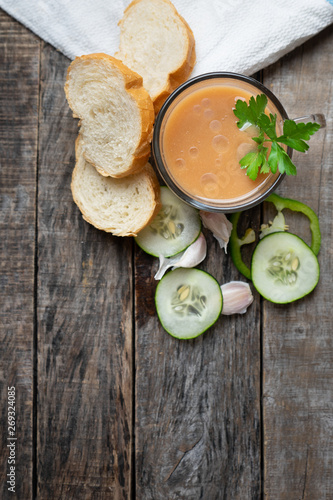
x=157 y=43
x=119 y=206
x=116 y=113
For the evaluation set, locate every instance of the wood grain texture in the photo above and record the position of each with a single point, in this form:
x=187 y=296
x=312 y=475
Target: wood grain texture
x=84 y=324
x=19 y=77
x=298 y=342
x=197 y=402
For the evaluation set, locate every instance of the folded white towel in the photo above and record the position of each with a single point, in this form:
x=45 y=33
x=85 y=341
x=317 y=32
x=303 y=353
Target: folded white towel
x=231 y=35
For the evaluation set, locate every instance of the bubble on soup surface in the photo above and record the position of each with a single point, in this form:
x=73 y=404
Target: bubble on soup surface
x=215 y=125
x=210 y=184
x=180 y=162
x=245 y=148
x=208 y=113
x=220 y=143
x=233 y=166
x=224 y=179
x=206 y=102
x=251 y=130
x=193 y=152
x=197 y=109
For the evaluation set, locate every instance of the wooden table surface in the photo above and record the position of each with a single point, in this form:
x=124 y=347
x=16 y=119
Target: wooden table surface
x=107 y=404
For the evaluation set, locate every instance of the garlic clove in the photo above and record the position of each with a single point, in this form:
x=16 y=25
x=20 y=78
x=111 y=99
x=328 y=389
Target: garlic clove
x=165 y=264
x=237 y=297
x=194 y=254
x=191 y=257
x=220 y=226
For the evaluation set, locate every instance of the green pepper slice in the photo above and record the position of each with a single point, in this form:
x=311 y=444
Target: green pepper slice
x=280 y=203
x=236 y=243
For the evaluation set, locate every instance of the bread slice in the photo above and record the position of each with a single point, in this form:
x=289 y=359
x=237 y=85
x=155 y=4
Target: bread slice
x=116 y=113
x=119 y=206
x=157 y=43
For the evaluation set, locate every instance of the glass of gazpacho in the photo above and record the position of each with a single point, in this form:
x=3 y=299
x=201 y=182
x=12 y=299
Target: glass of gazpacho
x=197 y=145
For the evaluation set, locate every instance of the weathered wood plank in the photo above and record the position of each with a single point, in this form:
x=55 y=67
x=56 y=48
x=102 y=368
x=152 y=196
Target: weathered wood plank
x=84 y=324
x=19 y=83
x=298 y=345
x=197 y=402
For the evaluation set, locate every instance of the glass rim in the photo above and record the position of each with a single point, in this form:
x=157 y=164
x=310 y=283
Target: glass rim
x=157 y=156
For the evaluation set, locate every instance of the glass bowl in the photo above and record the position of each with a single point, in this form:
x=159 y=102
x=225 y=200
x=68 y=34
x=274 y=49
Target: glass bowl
x=170 y=118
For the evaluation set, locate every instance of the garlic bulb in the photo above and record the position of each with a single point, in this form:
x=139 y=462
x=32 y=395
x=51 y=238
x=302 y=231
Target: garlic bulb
x=219 y=225
x=237 y=296
x=191 y=257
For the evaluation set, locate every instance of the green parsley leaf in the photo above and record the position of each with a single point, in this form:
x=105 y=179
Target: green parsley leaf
x=278 y=158
x=299 y=130
x=294 y=135
x=264 y=168
x=253 y=160
x=260 y=138
x=268 y=125
x=250 y=113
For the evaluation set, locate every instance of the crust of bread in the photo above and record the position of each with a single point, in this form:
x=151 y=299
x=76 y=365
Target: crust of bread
x=134 y=86
x=178 y=75
x=152 y=200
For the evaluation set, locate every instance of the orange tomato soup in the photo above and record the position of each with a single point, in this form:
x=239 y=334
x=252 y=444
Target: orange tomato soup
x=202 y=144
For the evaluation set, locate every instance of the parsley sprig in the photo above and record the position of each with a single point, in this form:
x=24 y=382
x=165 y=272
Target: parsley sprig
x=294 y=135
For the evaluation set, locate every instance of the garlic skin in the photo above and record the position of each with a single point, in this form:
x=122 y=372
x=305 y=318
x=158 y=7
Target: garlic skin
x=237 y=297
x=219 y=225
x=278 y=224
x=191 y=257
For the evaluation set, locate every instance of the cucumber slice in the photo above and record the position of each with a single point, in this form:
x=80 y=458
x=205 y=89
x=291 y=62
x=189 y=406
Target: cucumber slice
x=188 y=302
x=175 y=227
x=284 y=268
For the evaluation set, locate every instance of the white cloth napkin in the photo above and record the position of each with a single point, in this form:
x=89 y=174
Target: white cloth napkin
x=231 y=35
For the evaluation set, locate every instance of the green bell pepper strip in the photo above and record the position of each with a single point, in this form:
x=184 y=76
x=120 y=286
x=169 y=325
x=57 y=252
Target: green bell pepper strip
x=280 y=203
x=236 y=243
